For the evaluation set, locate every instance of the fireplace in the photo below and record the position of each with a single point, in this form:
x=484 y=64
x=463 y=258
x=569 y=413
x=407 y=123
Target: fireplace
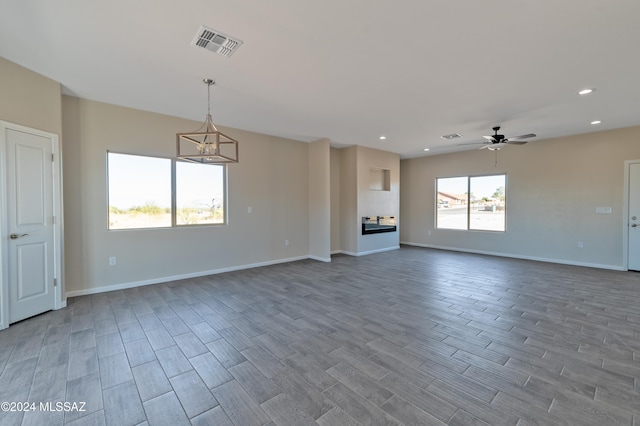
x=378 y=224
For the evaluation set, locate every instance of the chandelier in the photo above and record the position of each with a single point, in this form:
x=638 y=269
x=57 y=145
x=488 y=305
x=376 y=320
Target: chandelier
x=207 y=145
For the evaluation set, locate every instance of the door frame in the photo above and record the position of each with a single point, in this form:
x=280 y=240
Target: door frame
x=625 y=215
x=57 y=208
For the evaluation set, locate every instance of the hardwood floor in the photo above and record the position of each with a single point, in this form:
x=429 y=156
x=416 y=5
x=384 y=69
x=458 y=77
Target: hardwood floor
x=412 y=336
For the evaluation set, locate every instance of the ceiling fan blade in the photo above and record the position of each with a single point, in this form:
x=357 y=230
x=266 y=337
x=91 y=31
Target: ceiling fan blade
x=510 y=142
x=490 y=138
x=485 y=146
x=528 y=135
x=473 y=143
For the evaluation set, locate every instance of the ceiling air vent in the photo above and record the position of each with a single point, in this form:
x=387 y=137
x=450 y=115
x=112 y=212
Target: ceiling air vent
x=451 y=136
x=216 y=42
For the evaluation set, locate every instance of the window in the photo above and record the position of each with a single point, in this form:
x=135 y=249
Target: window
x=475 y=203
x=199 y=194
x=140 y=192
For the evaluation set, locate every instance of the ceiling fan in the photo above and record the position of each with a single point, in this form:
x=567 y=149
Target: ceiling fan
x=496 y=141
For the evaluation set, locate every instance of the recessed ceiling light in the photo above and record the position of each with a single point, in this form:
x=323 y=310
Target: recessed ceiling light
x=596 y=122
x=426 y=149
x=382 y=138
x=451 y=136
x=585 y=91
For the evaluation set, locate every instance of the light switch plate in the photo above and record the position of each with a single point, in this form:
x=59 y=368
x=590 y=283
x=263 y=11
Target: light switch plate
x=603 y=210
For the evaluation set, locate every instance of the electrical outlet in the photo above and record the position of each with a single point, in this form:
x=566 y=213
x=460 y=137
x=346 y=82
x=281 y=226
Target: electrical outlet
x=580 y=244
x=249 y=210
x=112 y=261
x=429 y=232
x=286 y=242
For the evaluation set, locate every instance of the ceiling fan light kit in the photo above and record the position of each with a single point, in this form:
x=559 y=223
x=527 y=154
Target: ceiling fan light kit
x=495 y=142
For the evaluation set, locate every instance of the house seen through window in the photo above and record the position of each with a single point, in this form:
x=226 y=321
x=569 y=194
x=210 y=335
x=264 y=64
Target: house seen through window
x=471 y=202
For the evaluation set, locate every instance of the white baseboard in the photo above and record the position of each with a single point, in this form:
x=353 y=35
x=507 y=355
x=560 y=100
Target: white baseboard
x=517 y=256
x=320 y=259
x=124 y=286
x=364 y=253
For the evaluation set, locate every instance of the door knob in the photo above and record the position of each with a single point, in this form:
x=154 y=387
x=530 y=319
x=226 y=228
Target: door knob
x=634 y=225
x=16 y=236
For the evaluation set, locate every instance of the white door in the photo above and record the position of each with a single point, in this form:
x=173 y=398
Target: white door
x=634 y=216
x=29 y=224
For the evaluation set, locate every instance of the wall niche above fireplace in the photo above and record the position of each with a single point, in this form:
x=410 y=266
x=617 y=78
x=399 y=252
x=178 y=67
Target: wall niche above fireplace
x=378 y=224
x=379 y=179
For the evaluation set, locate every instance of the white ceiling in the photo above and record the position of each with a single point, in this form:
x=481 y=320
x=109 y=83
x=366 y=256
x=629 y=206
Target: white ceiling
x=347 y=70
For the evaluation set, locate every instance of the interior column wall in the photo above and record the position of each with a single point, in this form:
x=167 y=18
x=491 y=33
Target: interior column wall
x=352 y=198
x=336 y=208
x=349 y=200
x=319 y=201
x=373 y=202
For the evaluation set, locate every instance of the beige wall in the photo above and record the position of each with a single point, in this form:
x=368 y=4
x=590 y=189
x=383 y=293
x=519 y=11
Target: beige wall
x=553 y=189
x=29 y=99
x=271 y=178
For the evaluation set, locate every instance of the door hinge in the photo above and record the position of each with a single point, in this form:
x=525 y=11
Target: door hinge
x=51 y=157
x=55 y=282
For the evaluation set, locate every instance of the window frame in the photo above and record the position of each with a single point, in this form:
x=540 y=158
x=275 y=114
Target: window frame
x=173 y=191
x=468 y=207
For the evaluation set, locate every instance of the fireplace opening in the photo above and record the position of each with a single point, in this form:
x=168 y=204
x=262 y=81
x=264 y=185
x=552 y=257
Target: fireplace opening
x=378 y=224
